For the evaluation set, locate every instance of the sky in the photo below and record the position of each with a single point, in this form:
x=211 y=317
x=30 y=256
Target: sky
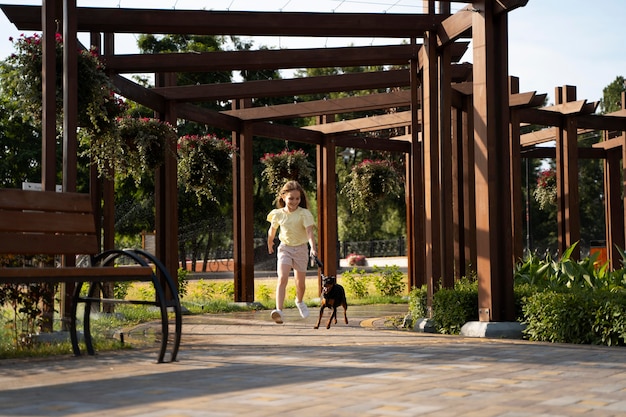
x=552 y=43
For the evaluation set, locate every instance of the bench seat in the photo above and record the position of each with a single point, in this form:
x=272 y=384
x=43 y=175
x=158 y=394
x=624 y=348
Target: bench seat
x=61 y=225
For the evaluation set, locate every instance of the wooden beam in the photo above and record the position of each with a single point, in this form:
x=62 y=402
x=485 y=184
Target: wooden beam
x=139 y=93
x=610 y=144
x=570 y=107
x=210 y=22
x=374 y=144
x=298 y=86
x=545 y=152
x=319 y=107
x=209 y=117
x=456 y=26
x=609 y=122
x=522 y=99
x=262 y=59
x=538 y=137
x=366 y=124
x=505 y=6
x=539 y=117
x=287 y=87
x=543 y=136
x=270 y=59
x=277 y=131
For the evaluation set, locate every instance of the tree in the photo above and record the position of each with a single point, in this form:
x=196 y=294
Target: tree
x=612 y=96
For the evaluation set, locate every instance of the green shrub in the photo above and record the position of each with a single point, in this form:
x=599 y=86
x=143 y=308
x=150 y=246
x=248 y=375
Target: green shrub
x=183 y=282
x=418 y=300
x=576 y=316
x=356 y=283
x=388 y=281
x=264 y=292
x=454 y=307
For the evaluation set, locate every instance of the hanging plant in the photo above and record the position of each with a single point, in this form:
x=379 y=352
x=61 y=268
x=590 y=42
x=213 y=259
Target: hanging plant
x=98 y=105
x=545 y=193
x=204 y=164
x=285 y=166
x=369 y=182
x=137 y=147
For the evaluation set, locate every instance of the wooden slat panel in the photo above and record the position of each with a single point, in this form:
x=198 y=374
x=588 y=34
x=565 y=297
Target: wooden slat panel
x=46 y=222
x=44 y=200
x=33 y=244
x=96 y=274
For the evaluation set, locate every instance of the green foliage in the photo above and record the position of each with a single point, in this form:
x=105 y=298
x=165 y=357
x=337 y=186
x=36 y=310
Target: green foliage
x=264 y=292
x=453 y=307
x=21 y=311
x=204 y=164
x=389 y=281
x=545 y=192
x=137 y=147
x=418 y=302
x=120 y=289
x=577 y=316
x=356 y=282
x=371 y=181
x=571 y=302
x=206 y=290
x=612 y=95
x=183 y=282
x=97 y=104
x=565 y=272
x=287 y=165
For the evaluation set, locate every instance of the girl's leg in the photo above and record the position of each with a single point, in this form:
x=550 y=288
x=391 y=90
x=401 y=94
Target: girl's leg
x=281 y=284
x=300 y=284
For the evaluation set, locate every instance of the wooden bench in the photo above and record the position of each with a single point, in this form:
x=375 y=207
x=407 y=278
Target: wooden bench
x=49 y=223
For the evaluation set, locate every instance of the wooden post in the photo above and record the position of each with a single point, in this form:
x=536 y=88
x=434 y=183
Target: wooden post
x=430 y=142
x=447 y=158
x=327 y=207
x=243 y=212
x=613 y=202
x=469 y=186
x=50 y=13
x=516 y=182
x=166 y=193
x=493 y=187
x=414 y=191
x=567 y=176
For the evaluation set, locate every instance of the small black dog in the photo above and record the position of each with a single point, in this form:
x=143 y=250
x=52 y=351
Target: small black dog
x=333 y=296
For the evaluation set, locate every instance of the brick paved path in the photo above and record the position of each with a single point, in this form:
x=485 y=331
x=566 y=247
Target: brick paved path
x=244 y=364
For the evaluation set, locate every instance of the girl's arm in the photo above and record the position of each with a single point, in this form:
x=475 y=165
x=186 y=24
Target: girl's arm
x=271 y=234
x=311 y=236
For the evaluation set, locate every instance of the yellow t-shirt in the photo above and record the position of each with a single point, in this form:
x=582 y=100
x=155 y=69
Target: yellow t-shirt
x=292 y=225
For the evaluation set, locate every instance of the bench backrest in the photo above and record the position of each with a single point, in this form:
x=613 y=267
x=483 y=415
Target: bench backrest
x=46 y=222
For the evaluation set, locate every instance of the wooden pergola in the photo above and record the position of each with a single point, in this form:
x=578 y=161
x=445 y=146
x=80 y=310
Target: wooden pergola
x=462 y=144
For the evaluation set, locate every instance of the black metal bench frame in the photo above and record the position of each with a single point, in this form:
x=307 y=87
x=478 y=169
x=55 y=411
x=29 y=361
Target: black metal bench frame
x=44 y=222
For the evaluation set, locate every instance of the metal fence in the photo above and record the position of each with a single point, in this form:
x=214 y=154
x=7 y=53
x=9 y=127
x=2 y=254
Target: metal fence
x=374 y=248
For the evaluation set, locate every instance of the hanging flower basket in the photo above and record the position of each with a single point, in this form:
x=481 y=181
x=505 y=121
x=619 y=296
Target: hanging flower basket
x=371 y=181
x=285 y=166
x=137 y=147
x=545 y=193
x=98 y=105
x=204 y=164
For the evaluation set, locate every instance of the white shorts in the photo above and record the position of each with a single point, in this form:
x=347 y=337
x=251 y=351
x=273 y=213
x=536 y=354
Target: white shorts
x=296 y=257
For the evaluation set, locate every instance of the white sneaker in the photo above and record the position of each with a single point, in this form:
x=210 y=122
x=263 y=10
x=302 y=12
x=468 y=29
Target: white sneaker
x=304 y=311
x=277 y=316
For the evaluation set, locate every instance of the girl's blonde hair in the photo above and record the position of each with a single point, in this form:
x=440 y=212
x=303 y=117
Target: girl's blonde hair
x=291 y=186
